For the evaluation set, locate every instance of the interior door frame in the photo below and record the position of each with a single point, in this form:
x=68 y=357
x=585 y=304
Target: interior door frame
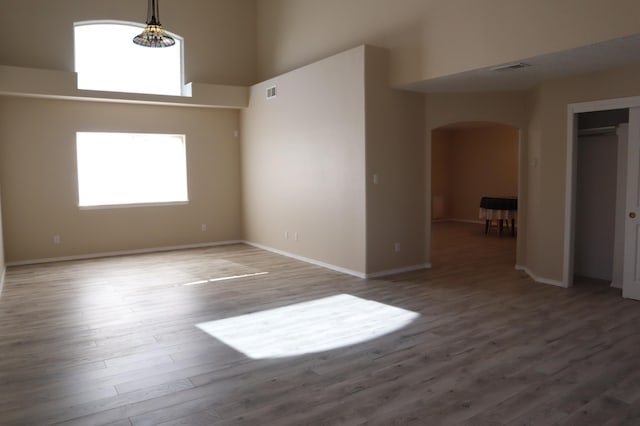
x=572 y=169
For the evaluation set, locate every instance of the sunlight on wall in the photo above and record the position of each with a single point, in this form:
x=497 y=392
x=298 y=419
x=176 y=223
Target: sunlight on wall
x=309 y=327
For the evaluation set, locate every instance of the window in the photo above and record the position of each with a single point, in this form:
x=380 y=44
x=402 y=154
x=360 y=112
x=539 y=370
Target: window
x=131 y=168
x=107 y=59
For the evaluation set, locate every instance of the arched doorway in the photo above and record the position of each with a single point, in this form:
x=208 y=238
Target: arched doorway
x=471 y=160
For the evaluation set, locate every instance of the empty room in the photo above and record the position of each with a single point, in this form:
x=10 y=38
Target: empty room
x=299 y=212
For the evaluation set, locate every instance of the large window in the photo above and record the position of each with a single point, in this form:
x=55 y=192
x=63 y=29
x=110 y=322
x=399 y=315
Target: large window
x=107 y=59
x=131 y=168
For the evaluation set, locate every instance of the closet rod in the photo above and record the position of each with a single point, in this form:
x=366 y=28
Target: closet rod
x=597 y=131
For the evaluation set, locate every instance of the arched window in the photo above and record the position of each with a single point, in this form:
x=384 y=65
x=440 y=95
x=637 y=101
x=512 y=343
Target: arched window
x=107 y=59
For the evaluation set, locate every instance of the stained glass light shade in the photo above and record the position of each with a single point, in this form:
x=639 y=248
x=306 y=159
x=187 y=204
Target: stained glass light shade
x=153 y=35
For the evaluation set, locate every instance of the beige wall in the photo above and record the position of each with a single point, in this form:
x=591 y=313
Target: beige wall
x=395 y=153
x=309 y=160
x=2 y=257
x=440 y=176
x=39 y=179
x=220 y=35
x=432 y=38
x=303 y=158
x=548 y=155
x=471 y=162
x=37 y=160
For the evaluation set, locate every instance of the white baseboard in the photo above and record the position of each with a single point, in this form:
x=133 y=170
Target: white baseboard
x=122 y=253
x=308 y=260
x=399 y=271
x=538 y=279
x=216 y=244
x=336 y=268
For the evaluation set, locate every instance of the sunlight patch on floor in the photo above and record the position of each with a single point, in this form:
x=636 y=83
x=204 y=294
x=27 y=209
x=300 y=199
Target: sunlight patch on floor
x=213 y=280
x=309 y=327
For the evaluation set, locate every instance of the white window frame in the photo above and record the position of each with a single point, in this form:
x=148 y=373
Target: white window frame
x=120 y=204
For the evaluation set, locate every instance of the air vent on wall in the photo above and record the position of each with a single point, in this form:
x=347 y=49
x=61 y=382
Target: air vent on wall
x=509 y=67
x=271 y=92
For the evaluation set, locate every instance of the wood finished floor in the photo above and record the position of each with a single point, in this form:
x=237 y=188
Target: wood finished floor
x=113 y=341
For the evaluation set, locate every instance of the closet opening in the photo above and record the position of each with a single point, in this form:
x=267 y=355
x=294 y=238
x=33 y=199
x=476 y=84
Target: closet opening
x=600 y=197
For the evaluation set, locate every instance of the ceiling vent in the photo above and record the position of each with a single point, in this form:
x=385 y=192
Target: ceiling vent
x=271 y=92
x=509 y=67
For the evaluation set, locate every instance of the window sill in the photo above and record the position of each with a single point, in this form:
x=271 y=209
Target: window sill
x=127 y=206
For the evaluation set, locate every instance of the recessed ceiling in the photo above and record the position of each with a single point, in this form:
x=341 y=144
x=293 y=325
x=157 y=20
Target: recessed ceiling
x=596 y=57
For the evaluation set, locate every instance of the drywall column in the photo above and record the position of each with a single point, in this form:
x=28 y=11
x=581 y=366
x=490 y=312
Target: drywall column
x=396 y=192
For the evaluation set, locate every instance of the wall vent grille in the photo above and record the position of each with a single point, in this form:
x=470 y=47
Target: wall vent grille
x=509 y=67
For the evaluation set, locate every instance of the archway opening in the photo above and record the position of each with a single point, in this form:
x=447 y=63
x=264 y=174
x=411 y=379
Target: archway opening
x=472 y=161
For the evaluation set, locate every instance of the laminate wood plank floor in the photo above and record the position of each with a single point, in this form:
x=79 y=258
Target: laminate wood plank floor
x=238 y=336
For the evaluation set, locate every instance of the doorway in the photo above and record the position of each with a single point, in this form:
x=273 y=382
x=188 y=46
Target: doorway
x=471 y=160
x=627 y=200
x=601 y=171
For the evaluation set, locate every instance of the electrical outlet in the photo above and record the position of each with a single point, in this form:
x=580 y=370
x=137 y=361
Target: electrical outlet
x=203 y=227
x=296 y=236
x=286 y=235
x=56 y=239
x=396 y=247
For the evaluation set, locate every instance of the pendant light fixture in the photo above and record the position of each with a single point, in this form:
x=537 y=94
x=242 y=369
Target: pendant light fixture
x=153 y=35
